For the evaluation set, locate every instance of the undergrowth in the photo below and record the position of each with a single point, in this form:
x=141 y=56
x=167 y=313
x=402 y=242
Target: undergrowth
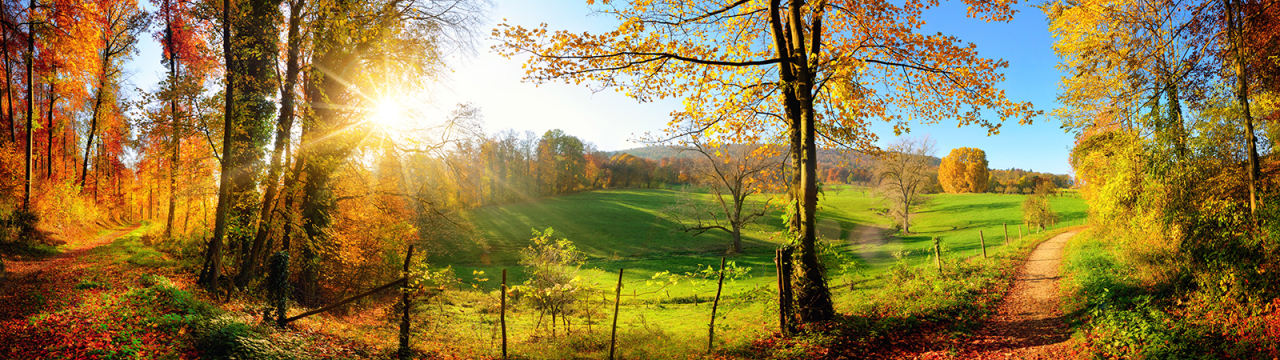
x=1119 y=315
x=919 y=308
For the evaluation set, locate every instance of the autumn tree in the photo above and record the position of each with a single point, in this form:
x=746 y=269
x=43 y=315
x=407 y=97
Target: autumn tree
x=247 y=47
x=1161 y=95
x=964 y=170
x=1160 y=74
x=819 y=71
x=188 y=61
x=732 y=174
x=119 y=23
x=284 y=131
x=351 y=47
x=1037 y=213
x=30 y=143
x=561 y=163
x=630 y=171
x=902 y=174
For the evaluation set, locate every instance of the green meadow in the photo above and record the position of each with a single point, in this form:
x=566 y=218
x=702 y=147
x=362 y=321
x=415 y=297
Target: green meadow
x=626 y=229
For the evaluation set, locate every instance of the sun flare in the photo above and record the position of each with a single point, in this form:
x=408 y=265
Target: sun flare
x=388 y=113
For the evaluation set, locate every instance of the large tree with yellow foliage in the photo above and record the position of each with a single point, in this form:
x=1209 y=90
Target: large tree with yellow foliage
x=964 y=170
x=1170 y=99
x=818 y=72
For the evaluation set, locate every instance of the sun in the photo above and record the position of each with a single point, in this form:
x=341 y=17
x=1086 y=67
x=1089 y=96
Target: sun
x=388 y=113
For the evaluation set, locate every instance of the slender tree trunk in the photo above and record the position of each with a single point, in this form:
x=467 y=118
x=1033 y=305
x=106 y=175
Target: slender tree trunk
x=1242 y=94
x=93 y=118
x=31 y=136
x=175 y=165
x=53 y=98
x=175 y=136
x=66 y=154
x=97 y=170
x=8 y=85
x=284 y=125
x=906 y=214
x=213 y=261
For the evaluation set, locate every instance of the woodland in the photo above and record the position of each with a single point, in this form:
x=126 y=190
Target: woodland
x=276 y=194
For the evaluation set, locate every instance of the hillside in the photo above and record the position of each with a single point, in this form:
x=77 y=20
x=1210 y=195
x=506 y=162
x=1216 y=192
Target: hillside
x=825 y=156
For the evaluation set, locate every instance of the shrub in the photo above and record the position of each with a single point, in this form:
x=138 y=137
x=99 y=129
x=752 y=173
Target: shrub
x=1037 y=212
x=225 y=337
x=552 y=268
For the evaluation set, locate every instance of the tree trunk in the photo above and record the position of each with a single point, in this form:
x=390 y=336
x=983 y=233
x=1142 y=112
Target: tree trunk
x=93 y=118
x=213 y=259
x=253 y=61
x=284 y=125
x=737 y=238
x=8 y=85
x=175 y=136
x=1242 y=94
x=906 y=214
x=813 y=298
x=326 y=147
x=31 y=136
x=53 y=98
x=175 y=165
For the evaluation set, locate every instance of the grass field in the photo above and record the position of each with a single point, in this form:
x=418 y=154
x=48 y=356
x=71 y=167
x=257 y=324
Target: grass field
x=625 y=229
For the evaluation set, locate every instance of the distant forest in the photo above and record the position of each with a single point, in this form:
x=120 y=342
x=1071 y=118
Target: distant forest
x=846 y=167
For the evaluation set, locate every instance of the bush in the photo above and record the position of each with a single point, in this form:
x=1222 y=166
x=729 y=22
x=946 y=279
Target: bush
x=1037 y=212
x=1143 y=331
x=225 y=337
x=552 y=267
x=63 y=209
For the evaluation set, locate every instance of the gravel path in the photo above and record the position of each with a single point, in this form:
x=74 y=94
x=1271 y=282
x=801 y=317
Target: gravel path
x=1028 y=324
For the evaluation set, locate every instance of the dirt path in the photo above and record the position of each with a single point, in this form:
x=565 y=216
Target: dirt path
x=1028 y=324
x=29 y=284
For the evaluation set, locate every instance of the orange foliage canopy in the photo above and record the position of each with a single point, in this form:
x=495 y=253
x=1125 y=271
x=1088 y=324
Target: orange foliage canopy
x=964 y=170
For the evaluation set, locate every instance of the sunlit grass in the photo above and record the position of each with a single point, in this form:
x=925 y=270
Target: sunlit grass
x=624 y=229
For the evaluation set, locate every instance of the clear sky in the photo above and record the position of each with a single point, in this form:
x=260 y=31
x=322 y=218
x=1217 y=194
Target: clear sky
x=611 y=120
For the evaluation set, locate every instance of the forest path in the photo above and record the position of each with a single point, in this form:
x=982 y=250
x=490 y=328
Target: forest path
x=30 y=284
x=1028 y=324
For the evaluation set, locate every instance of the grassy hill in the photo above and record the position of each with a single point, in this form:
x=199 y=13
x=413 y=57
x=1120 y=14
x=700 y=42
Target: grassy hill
x=625 y=229
x=628 y=224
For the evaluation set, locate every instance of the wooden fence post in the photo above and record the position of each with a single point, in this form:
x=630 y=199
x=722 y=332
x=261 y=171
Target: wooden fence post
x=711 y=333
x=937 y=253
x=1006 y=234
x=617 y=299
x=782 y=310
x=783 y=263
x=503 y=315
x=404 y=322
x=983 y=240
x=785 y=297
x=1019 y=232
x=589 y=315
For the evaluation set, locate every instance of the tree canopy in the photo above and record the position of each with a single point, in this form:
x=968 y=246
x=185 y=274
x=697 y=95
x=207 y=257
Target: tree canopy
x=964 y=170
x=815 y=72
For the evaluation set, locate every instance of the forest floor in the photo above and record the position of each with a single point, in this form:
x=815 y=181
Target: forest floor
x=114 y=296
x=1029 y=322
x=21 y=271
x=33 y=275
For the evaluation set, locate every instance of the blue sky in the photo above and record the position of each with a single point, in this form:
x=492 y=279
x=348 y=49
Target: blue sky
x=611 y=120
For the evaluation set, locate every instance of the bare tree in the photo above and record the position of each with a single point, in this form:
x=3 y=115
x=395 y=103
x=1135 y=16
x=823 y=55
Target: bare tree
x=902 y=174
x=731 y=173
